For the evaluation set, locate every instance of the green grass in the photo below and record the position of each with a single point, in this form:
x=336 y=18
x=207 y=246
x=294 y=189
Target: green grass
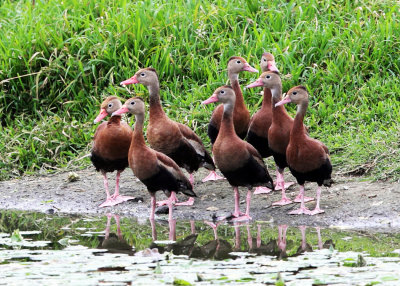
x=58 y=60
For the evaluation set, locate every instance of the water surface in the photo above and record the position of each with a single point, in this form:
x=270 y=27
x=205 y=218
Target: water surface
x=42 y=249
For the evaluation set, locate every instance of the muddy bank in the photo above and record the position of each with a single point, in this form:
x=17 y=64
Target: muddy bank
x=348 y=203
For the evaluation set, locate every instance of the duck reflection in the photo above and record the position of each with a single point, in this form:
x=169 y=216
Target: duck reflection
x=221 y=248
x=114 y=242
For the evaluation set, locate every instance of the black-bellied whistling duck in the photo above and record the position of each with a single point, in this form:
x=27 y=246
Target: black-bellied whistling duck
x=174 y=139
x=241 y=115
x=110 y=147
x=279 y=131
x=257 y=134
x=308 y=158
x=154 y=169
x=238 y=161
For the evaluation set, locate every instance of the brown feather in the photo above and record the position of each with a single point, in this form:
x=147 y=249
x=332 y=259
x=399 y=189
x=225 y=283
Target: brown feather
x=112 y=139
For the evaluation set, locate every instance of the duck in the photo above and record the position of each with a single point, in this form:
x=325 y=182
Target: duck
x=241 y=115
x=239 y=161
x=111 y=143
x=308 y=158
x=279 y=131
x=154 y=169
x=174 y=139
x=257 y=134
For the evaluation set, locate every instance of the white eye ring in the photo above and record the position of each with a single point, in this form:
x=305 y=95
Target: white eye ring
x=238 y=62
x=268 y=76
x=294 y=92
x=222 y=91
x=264 y=59
x=142 y=74
x=110 y=105
x=132 y=103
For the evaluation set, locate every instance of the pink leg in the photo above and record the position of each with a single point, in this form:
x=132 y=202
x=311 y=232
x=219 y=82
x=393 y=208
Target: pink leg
x=214 y=227
x=212 y=176
x=317 y=209
x=282 y=237
x=285 y=185
x=109 y=200
x=237 y=237
x=153 y=206
x=172 y=198
x=117 y=220
x=192 y=227
x=246 y=216
x=249 y=238
x=303 y=237
x=107 y=230
x=170 y=208
x=258 y=236
x=116 y=196
x=172 y=229
x=191 y=179
x=320 y=245
x=153 y=229
x=237 y=212
x=281 y=182
x=302 y=209
x=306 y=199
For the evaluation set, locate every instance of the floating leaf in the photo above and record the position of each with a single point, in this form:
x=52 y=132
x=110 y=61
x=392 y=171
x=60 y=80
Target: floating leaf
x=157 y=270
x=16 y=236
x=181 y=282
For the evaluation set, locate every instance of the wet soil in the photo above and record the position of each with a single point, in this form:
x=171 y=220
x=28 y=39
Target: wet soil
x=349 y=203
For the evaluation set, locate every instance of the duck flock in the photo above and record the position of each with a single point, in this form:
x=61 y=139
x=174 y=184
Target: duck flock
x=269 y=132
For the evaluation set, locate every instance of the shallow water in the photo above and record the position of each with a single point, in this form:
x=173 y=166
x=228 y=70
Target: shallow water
x=39 y=249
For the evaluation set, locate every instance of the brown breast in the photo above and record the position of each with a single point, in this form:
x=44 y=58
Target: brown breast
x=113 y=140
x=143 y=161
x=305 y=154
x=164 y=135
x=261 y=122
x=241 y=118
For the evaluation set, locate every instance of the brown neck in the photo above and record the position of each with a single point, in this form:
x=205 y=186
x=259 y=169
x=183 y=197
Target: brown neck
x=115 y=119
x=227 y=127
x=137 y=137
x=298 y=127
x=267 y=99
x=279 y=111
x=234 y=79
x=156 y=109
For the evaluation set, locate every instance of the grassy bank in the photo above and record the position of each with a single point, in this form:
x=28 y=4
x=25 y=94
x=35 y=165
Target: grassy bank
x=58 y=60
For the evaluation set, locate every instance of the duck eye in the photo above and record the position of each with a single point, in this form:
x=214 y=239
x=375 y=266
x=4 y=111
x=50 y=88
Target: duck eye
x=268 y=76
x=142 y=74
x=294 y=92
x=238 y=62
x=110 y=105
x=132 y=103
x=222 y=91
x=264 y=59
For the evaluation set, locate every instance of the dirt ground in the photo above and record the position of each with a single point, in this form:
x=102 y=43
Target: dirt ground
x=349 y=203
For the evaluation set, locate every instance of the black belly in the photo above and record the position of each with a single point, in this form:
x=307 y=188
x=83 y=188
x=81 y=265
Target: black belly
x=212 y=132
x=185 y=156
x=280 y=159
x=260 y=143
x=107 y=165
x=163 y=180
x=249 y=175
x=322 y=175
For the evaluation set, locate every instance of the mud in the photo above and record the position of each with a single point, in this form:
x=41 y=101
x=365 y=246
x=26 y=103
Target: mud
x=349 y=203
